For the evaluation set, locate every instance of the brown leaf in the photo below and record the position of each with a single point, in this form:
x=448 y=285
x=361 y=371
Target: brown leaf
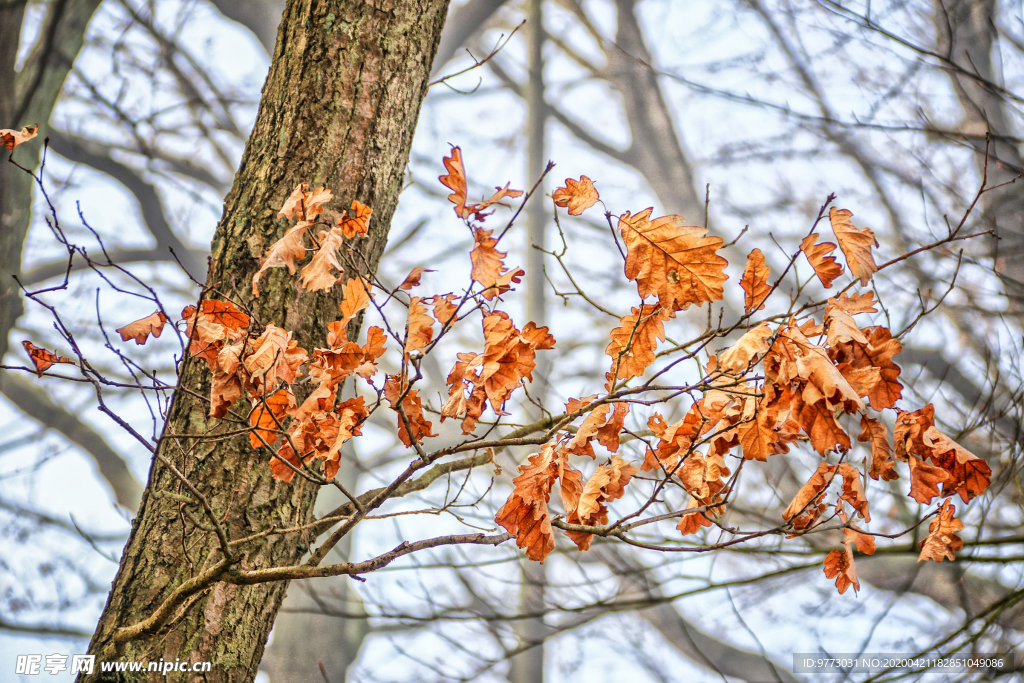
x=357 y=296
x=317 y=276
x=738 y=357
x=755 y=282
x=42 y=358
x=853 y=489
x=673 y=261
x=445 y=311
x=455 y=180
x=140 y=330
x=942 y=543
x=418 y=327
x=308 y=205
x=925 y=480
x=360 y=225
x=970 y=475
x=283 y=252
x=606 y=484
x=12 y=138
x=856 y=303
x=577 y=195
x=693 y=522
x=825 y=266
x=806 y=498
x=840 y=326
x=878 y=353
x=882 y=465
x=525 y=513
x=267 y=417
x=855 y=243
x=411 y=406
x=488 y=268
x=633 y=342
x=413 y=278
x=275 y=358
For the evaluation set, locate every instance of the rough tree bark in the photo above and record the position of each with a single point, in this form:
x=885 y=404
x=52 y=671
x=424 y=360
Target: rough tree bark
x=339 y=108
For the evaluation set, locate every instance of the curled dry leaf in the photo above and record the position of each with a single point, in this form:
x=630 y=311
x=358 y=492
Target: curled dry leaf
x=488 y=267
x=673 y=261
x=839 y=563
x=317 y=276
x=283 y=252
x=633 y=342
x=882 y=465
x=942 y=542
x=840 y=326
x=360 y=225
x=856 y=303
x=413 y=278
x=755 y=282
x=42 y=358
x=577 y=195
x=856 y=244
x=455 y=180
x=525 y=514
x=356 y=296
x=140 y=330
x=825 y=266
x=445 y=311
x=411 y=406
x=267 y=417
x=308 y=205
x=738 y=357
x=805 y=504
x=608 y=483
x=418 y=327
x=12 y=138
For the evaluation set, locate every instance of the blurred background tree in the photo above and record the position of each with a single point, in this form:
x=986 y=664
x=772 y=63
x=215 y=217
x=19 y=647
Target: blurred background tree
x=765 y=107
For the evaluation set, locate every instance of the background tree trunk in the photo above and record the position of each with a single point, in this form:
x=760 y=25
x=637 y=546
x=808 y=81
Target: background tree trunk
x=339 y=108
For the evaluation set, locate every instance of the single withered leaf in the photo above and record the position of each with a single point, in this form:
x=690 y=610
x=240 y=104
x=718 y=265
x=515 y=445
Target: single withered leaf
x=509 y=356
x=356 y=295
x=853 y=489
x=314 y=202
x=579 y=444
x=806 y=497
x=42 y=358
x=525 y=513
x=413 y=278
x=634 y=341
x=878 y=353
x=703 y=476
x=738 y=357
x=942 y=543
x=283 y=252
x=294 y=202
x=455 y=181
x=275 y=358
x=225 y=389
x=856 y=244
x=825 y=266
x=822 y=428
x=488 y=267
x=693 y=522
x=360 y=225
x=267 y=417
x=445 y=311
x=840 y=326
x=577 y=195
x=317 y=275
x=418 y=327
x=606 y=484
x=593 y=492
x=882 y=465
x=757 y=434
x=925 y=480
x=908 y=433
x=223 y=313
x=798 y=358
x=12 y=138
x=856 y=303
x=673 y=261
x=140 y=330
x=755 y=282
x=375 y=341
x=970 y=475
x=839 y=566
x=570 y=485
x=609 y=433
x=411 y=406
x=278 y=469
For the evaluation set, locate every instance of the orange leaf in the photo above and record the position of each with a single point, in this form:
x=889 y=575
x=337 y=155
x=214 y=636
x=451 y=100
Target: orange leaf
x=356 y=296
x=882 y=465
x=633 y=342
x=444 y=310
x=42 y=358
x=820 y=425
x=12 y=138
x=214 y=323
x=753 y=343
x=525 y=513
x=693 y=522
x=275 y=357
x=317 y=276
x=672 y=260
x=577 y=195
x=856 y=303
x=839 y=564
x=411 y=406
x=360 y=225
x=805 y=503
x=925 y=480
x=970 y=475
x=293 y=202
x=825 y=266
x=840 y=326
x=152 y=324
x=456 y=181
x=755 y=282
x=309 y=205
x=267 y=417
x=488 y=267
x=856 y=244
x=606 y=484
x=942 y=543
x=283 y=253
x=413 y=278
x=418 y=327
x=878 y=352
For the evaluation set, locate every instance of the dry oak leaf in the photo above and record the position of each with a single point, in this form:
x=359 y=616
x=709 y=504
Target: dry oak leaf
x=308 y=204
x=673 y=261
x=856 y=244
x=488 y=267
x=908 y=433
x=882 y=465
x=884 y=390
x=525 y=514
x=140 y=330
x=356 y=295
x=577 y=195
x=853 y=489
x=42 y=358
x=455 y=180
x=738 y=357
x=810 y=362
x=925 y=480
x=360 y=225
x=839 y=564
x=267 y=417
x=703 y=476
x=294 y=201
x=418 y=327
x=942 y=543
x=692 y=522
x=412 y=407
x=758 y=431
x=12 y=138
x=856 y=303
x=211 y=325
x=606 y=484
x=413 y=278
x=825 y=266
x=755 y=282
x=806 y=498
x=445 y=312
x=840 y=326
x=317 y=276
x=509 y=356
x=604 y=423
x=970 y=475
x=633 y=342
x=275 y=357
x=824 y=431
x=283 y=253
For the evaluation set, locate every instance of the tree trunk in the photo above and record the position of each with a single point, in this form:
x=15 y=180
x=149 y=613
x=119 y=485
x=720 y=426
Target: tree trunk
x=339 y=108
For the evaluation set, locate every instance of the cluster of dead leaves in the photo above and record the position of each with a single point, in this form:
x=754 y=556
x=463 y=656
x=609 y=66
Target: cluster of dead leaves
x=12 y=138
